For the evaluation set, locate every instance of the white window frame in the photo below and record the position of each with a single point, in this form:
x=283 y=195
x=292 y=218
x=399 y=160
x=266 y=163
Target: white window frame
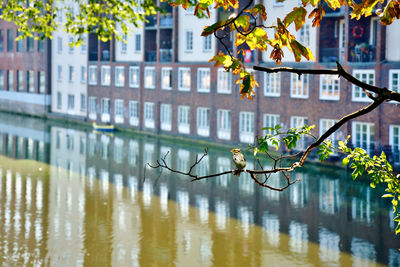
x=59 y=45
x=246 y=127
x=224 y=80
x=203 y=121
x=270 y=120
x=104 y=71
x=182 y=86
x=324 y=125
x=71 y=72
x=166 y=78
x=166 y=117
x=133 y=69
x=395 y=149
x=203 y=84
x=369 y=141
x=297 y=88
x=184 y=119
x=118 y=71
x=119 y=111
x=150 y=72
x=224 y=124
x=304 y=35
x=138 y=49
x=358 y=74
x=59 y=73
x=148 y=115
x=134 y=113
x=272 y=84
x=298 y=122
x=329 y=85
x=92 y=107
x=188 y=41
x=92 y=71
x=83 y=74
x=124 y=44
x=105 y=116
x=391 y=80
x=83 y=102
x=207 y=44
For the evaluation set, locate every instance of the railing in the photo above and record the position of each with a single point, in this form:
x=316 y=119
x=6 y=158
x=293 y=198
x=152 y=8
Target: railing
x=362 y=53
x=331 y=55
x=151 y=56
x=166 y=21
x=165 y=55
x=151 y=21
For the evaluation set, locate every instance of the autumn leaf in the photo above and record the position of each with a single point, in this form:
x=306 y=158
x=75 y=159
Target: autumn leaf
x=391 y=11
x=298 y=16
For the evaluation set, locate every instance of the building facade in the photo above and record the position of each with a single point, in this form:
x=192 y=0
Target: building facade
x=158 y=79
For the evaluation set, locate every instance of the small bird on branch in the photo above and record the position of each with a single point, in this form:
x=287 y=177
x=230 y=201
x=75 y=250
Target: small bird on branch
x=239 y=161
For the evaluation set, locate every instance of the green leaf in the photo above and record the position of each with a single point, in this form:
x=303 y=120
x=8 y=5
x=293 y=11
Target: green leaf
x=345 y=161
x=298 y=16
x=387 y=195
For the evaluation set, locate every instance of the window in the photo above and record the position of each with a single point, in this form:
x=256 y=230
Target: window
x=40 y=44
x=184 y=79
x=246 y=127
x=189 y=41
x=124 y=44
x=83 y=74
x=203 y=80
x=224 y=124
x=20 y=80
x=120 y=76
x=41 y=82
x=299 y=86
x=363 y=135
x=83 y=102
x=366 y=76
x=324 y=125
x=134 y=77
x=166 y=78
x=29 y=44
x=20 y=43
x=71 y=102
x=84 y=45
x=149 y=77
x=278 y=3
x=184 y=119
x=119 y=111
x=70 y=46
x=203 y=121
x=92 y=75
x=394 y=141
x=270 y=120
x=10 y=79
x=31 y=81
x=92 y=107
x=59 y=100
x=304 y=35
x=1 y=40
x=1 y=80
x=59 y=45
x=59 y=73
x=138 y=43
x=224 y=82
x=148 y=115
x=394 y=80
x=207 y=43
x=10 y=40
x=298 y=122
x=105 y=75
x=70 y=74
x=329 y=87
x=105 y=106
x=134 y=113
x=272 y=84
x=165 y=117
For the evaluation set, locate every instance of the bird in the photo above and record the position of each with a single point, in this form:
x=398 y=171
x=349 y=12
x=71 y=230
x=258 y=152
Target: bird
x=239 y=161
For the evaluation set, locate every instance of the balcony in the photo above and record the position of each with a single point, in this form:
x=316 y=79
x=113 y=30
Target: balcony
x=151 y=56
x=166 y=21
x=361 y=53
x=328 y=55
x=329 y=12
x=151 y=22
x=165 y=55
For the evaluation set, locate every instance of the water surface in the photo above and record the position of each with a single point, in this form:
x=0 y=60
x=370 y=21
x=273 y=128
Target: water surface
x=69 y=197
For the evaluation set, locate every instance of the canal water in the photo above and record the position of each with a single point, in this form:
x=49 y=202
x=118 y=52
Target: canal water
x=71 y=197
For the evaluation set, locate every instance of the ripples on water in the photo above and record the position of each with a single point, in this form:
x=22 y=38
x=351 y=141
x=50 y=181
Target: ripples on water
x=83 y=201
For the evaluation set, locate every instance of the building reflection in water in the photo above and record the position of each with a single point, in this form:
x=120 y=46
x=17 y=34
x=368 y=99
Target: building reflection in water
x=93 y=207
